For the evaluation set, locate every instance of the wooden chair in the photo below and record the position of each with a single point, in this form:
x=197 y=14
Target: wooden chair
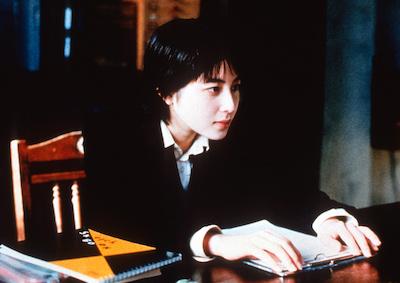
x=65 y=147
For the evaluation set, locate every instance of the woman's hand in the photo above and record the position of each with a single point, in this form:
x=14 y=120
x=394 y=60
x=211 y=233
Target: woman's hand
x=360 y=239
x=270 y=247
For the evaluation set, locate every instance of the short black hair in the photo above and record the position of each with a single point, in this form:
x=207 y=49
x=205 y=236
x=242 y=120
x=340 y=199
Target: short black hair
x=179 y=52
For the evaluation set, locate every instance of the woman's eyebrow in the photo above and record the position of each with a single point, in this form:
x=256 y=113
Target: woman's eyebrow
x=217 y=80
x=214 y=80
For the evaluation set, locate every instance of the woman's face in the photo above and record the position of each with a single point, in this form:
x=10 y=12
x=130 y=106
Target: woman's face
x=205 y=106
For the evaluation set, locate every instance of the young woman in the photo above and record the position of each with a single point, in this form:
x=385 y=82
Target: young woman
x=178 y=172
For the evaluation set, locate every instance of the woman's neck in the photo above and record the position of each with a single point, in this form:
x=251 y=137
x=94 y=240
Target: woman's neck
x=183 y=138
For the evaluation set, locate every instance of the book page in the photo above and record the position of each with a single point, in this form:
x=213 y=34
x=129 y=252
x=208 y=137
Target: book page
x=14 y=270
x=310 y=247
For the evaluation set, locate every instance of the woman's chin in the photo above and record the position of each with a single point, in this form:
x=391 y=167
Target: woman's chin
x=218 y=135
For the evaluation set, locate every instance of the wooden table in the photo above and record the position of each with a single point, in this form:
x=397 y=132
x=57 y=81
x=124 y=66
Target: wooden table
x=383 y=267
x=371 y=270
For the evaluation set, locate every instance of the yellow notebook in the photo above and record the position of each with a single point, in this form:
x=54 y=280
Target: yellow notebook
x=92 y=256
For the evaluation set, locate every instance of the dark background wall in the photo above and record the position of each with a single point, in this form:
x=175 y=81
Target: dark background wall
x=360 y=149
x=282 y=54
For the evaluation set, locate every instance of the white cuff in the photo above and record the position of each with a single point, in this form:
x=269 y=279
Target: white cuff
x=334 y=212
x=197 y=243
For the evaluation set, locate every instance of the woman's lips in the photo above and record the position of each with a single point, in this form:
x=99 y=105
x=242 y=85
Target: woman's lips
x=223 y=124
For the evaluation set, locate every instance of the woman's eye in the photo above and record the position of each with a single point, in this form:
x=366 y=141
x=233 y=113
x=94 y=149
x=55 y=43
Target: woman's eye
x=214 y=89
x=236 y=88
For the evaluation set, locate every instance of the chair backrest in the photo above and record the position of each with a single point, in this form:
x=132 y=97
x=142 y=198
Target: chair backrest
x=25 y=157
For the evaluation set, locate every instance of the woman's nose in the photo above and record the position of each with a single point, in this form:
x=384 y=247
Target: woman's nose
x=228 y=102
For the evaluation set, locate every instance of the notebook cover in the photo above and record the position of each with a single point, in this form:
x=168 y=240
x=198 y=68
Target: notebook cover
x=93 y=256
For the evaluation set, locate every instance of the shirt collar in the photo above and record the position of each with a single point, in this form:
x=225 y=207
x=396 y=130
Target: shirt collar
x=199 y=145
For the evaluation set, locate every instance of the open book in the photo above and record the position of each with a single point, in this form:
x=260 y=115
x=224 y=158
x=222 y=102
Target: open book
x=315 y=254
x=94 y=257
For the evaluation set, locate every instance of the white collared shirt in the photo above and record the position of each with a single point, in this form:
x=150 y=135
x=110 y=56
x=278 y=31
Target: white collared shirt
x=183 y=161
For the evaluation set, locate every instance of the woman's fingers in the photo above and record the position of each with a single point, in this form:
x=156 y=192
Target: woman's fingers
x=269 y=243
x=263 y=255
x=287 y=247
x=373 y=239
x=268 y=246
x=347 y=237
x=360 y=239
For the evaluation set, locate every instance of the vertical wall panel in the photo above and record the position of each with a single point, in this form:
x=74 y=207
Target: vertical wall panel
x=27 y=19
x=346 y=151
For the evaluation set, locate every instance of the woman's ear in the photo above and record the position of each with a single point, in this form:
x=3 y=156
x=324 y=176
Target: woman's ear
x=168 y=100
